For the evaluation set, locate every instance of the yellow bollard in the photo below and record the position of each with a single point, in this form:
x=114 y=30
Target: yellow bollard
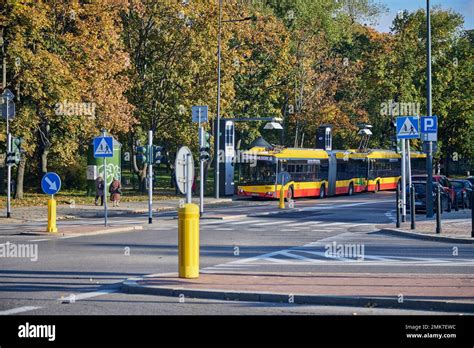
x=52 y=216
x=188 y=241
x=281 y=205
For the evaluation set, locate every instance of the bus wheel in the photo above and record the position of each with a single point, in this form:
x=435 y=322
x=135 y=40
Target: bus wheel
x=377 y=186
x=322 y=192
x=289 y=194
x=351 y=189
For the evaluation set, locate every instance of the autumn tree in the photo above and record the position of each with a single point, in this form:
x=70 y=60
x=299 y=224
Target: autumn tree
x=71 y=53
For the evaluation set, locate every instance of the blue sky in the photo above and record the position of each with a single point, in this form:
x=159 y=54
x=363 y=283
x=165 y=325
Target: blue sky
x=464 y=7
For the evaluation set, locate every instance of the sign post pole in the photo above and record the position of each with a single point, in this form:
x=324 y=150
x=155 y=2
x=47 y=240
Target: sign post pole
x=150 y=177
x=200 y=115
x=9 y=171
x=201 y=172
x=105 y=186
x=407 y=128
x=189 y=179
x=103 y=148
x=404 y=182
x=7 y=96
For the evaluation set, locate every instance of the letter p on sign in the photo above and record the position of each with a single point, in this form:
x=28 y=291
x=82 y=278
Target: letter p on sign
x=429 y=124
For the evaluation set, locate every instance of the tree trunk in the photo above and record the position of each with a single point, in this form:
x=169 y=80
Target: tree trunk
x=20 y=178
x=44 y=161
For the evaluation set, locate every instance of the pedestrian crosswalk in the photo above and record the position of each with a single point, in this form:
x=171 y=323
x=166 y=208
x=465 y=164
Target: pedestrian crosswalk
x=280 y=224
x=370 y=254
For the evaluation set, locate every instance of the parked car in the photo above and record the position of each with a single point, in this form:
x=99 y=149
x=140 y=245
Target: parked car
x=471 y=180
x=444 y=182
x=463 y=190
x=420 y=196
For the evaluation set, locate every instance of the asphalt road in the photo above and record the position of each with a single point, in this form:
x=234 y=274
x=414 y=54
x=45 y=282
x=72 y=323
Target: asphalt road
x=82 y=275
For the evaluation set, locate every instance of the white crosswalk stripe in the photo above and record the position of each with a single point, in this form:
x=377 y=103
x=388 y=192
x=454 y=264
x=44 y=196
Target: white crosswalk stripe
x=315 y=253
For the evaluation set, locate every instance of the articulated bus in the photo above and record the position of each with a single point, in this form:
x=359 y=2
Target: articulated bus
x=317 y=173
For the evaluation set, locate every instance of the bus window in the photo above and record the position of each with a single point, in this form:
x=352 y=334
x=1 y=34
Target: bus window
x=263 y=173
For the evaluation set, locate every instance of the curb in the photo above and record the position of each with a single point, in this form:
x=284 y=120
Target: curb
x=423 y=236
x=132 y=287
x=102 y=231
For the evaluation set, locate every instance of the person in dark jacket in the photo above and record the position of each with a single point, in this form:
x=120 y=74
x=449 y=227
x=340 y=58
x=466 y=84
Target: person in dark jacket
x=99 y=190
x=115 y=190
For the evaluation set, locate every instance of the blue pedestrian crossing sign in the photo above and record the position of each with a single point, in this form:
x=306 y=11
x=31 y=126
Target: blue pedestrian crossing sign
x=51 y=183
x=408 y=127
x=103 y=147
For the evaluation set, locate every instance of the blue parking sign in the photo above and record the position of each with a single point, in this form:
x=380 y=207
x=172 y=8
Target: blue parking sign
x=429 y=124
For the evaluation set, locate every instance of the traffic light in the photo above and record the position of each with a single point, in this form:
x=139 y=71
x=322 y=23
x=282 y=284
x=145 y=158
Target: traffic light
x=158 y=152
x=14 y=156
x=143 y=154
x=205 y=145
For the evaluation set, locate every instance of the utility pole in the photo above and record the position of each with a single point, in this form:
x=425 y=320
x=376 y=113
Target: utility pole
x=429 y=157
x=9 y=142
x=218 y=121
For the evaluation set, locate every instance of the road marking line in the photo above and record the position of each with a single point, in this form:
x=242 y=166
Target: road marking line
x=39 y=240
x=83 y=296
x=243 y=222
x=274 y=223
x=19 y=310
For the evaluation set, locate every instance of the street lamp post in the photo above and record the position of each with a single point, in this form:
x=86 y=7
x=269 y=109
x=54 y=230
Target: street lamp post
x=218 y=118
x=429 y=157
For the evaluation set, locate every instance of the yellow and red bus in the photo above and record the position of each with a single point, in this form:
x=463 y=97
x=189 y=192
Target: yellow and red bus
x=263 y=172
x=318 y=173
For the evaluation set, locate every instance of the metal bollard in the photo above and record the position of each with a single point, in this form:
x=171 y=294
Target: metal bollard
x=399 y=206
x=472 y=214
x=188 y=241
x=438 y=210
x=52 y=216
x=412 y=207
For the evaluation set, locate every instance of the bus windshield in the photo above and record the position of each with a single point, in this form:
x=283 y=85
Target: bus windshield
x=263 y=173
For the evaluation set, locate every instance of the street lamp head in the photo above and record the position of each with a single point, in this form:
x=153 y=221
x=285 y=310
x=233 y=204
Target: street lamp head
x=273 y=125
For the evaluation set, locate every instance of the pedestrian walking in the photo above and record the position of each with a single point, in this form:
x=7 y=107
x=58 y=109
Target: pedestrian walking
x=115 y=191
x=99 y=190
x=174 y=181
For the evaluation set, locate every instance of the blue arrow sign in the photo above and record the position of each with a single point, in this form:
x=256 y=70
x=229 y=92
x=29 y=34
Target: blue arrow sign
x=408 y=127
x=51 y=183
x=103 y=147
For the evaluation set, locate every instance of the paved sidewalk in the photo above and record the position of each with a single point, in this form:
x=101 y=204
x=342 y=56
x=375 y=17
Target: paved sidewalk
x=410 y=291
x=455 y=226
x=79 y=230
x=69 y=212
